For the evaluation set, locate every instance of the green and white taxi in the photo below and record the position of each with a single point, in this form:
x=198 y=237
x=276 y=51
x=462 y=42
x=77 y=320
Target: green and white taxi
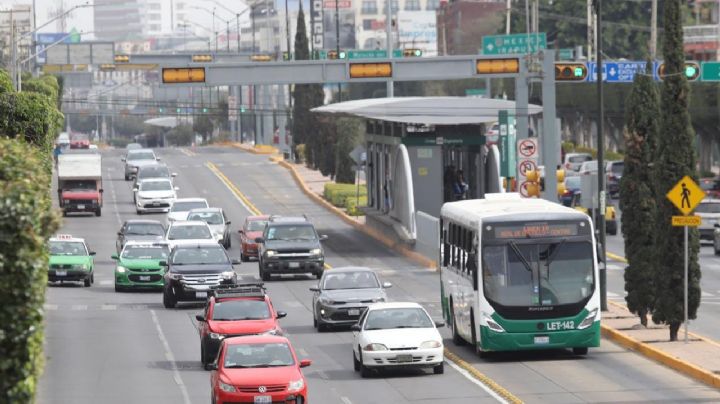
x=138 y=265
x=70 y=260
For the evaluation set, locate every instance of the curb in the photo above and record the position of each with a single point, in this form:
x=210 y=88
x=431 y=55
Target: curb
x=259 y=149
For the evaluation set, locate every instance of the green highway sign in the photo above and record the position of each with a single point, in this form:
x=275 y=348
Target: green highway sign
x=513 y=43
x=364 y=54
x=475 y=92
x=566 y=54
x=710 y=71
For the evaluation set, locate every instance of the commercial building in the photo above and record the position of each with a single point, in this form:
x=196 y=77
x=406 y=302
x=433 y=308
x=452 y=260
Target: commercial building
x=17 y=18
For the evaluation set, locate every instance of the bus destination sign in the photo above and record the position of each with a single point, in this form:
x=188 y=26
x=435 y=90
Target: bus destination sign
x=536 y=230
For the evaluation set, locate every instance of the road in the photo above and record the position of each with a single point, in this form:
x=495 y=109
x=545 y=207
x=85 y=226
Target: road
x=103 y=346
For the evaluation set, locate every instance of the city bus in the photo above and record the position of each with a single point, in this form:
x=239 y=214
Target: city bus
x=519 y=274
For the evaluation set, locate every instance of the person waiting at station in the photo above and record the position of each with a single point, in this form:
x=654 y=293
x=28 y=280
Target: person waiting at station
x=460 y=187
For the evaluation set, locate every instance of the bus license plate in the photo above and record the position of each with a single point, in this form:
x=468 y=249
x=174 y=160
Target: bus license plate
x=354 y=312
x=144 y=278
x=60 y=273
x=81 y=206
x=542 y=340
x=263 y=399
x=404 y=358
x=201 y=295
x=294 y=265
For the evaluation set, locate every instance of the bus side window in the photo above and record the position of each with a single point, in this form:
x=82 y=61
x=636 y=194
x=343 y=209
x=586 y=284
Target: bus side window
x=445 y=249
x=461 y=243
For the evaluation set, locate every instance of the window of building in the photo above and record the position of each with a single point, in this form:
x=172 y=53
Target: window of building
x=369 y=7
x=154 y=6
x=367 y=25
x=412 y=5
x=394 y=5
x=154 y=27
x=432 y=5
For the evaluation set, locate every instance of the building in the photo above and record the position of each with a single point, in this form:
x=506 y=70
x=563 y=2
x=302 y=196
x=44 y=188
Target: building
x=702 y=39
x=413 y=24
x=19 y=17
x=461 y=25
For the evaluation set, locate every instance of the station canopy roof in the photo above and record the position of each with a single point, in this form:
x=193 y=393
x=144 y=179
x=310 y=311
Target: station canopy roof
x=167 y=121
x=428 y=110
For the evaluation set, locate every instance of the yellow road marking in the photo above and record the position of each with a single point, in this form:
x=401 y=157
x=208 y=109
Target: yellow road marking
x=616 y=257
x=478 y=375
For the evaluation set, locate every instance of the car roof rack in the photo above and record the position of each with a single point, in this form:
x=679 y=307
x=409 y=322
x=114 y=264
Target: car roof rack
x=239 y=290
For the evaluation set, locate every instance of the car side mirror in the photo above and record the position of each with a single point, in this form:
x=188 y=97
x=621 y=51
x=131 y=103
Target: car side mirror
x=259 y=240
x=323 y=237
x=228 y=222
x=173 y=175
x=235 y=261
x=281 y=314
x=114 y=256
x=386 y=285
x=158 y=159
x=135 y=189
x=213 y=366
x=314 y=289
x=305 y=363
x=355 y=327
x=119 y=233
x=199 y=317
x=101 y=190
x=92 y=253
x=439 y=324
x=122 y=158
x=163 y=263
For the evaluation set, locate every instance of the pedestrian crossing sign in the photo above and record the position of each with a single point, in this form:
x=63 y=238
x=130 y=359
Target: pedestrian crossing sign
x=686 y=195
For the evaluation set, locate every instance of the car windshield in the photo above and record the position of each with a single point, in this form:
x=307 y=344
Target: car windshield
x=262 y=355
x=145 y=252
x=187 y=206
x=80 y=185
x=405 y=317
x=207 y=217
x=131 y=146
x=67 y=248
x=189 y=232
x=145 y=229
x=141 y=156
x=579 y=159
x=708 y=207
x=572 y=182
x=543 y=274
x=155 y=186
x=199 y=256
x=350 y=280
x=618 y=167
x=234 y=310
x=256 y=225
x=291 y=232
x=154 y=172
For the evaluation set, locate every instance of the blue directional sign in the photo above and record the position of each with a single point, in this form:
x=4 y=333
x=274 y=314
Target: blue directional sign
x=620 y=72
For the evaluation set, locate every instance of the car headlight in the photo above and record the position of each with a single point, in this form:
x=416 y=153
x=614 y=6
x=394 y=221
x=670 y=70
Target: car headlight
x=492 y=324
x=375 y=347
x=325 y=300
x=270 y=253
x=121 y=269
x=227 y=275
x=215 y=335
x=316 y=252
x=296 y=385
x=176 y=277
x=81 y=267
x=589 y=320
x=226 y=387
x=430 y=344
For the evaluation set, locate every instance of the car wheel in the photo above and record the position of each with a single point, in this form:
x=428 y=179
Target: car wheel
x=580 y=351
x=364 y=370
x=98 y=212
x=356 y=362
x=92 y=278
x=138 y=211
x=315 y=322
x=168 y=299
x=717 y=252
x=203 y=357
x=87 y=282
x=64 y=213
x=264 y=275
x=322 y=327
x=228 y=242
x=319 y=273
x=439 y=369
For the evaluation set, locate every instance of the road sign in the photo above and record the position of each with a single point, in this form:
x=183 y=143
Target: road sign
x=513 y=44
x=523 y=189
x=526 y=165
x=710 y=71
x=619 y=72
x=358 y=155
x=475 y=92
x=566 y=54
x=686 y=195
x=507 y=140
x=527 y=148
x=681 y=221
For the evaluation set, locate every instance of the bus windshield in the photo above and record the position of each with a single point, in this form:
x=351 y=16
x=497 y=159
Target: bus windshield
x=542 y=274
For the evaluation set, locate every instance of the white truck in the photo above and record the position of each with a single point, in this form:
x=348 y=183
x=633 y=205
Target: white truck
x=80 y=182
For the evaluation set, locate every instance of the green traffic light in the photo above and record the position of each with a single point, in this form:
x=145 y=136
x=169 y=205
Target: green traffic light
x=205 y=110
x=343 y=55
x=242 y=109
x=690 y=71
x=418 y=52
x=177 y=110
x=578 y=72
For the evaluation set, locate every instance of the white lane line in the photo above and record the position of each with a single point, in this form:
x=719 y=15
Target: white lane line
x=345 y=400
x=171 y=358
x=50 y=306
x=108 y=307
x=78 y=307
x=468 y=376
x=114 y=202
x=322 y=374
x=706 y=294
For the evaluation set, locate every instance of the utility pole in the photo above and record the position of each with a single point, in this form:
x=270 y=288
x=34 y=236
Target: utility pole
x=653 y=29
x=227 y=34
x=337 y=44
x=600 y=222
x=388 y=35
x=508 y=7
x=237 y=22
x=252 y=21
x=590 y=31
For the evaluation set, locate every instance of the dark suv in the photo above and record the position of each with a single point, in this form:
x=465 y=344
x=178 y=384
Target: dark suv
x=290 y=245
x=193 y=269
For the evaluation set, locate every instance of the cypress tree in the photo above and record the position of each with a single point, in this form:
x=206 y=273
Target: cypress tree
x=637 y=193
x=675 y=158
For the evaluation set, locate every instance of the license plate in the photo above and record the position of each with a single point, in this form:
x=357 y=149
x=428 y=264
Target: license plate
x=81 y=206
x=156 y=203
x=294 y=265
x=201 y=295
x=263 y=399
x=354 y=312
x=542 y=340
x=144 y=278
x=60 y=273
x=404 y=358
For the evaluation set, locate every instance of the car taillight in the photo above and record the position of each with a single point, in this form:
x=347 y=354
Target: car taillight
x=567 y=192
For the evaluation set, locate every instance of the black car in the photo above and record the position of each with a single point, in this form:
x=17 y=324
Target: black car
x=614 y=174
x=139 y=230
x=192 y=270
x=343 y=294
x=290 y=245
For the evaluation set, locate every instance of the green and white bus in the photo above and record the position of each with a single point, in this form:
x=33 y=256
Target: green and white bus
x=519 y=274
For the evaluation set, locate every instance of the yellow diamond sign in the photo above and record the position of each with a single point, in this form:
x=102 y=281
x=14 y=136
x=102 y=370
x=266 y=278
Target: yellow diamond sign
x=686 y=195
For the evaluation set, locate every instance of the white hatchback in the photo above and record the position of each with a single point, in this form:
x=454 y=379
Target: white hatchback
x=189 y=232
x=181 y=207
x=397 y=335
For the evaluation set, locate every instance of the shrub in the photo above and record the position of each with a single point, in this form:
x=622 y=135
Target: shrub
x=26 y=222
x=301 y=153
x=337 y=193
x=352 y=205
x=6 y=84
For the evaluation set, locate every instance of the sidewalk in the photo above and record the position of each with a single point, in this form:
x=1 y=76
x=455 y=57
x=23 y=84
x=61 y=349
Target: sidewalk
x=699 y=358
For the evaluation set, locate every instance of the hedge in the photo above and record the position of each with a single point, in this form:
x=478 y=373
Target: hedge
x=26 y=222
x=6 y=84
x=352 y=205
x=337 y=193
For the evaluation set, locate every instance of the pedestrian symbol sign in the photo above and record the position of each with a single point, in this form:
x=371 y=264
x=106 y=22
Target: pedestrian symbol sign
x=686 y=195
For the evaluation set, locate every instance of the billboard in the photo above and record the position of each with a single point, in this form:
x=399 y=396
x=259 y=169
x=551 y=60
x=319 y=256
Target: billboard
x=418 y=30
x=45 y=39
x=346 y=17
x=81 y=53
x=316 y=22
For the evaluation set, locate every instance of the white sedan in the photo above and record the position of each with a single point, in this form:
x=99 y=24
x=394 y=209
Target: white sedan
x=154 y=195
x=396 y=335
x=189 y=232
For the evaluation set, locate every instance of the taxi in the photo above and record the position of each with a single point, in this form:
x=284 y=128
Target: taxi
x=70 y=260
x=611 y=223
x=138 y=266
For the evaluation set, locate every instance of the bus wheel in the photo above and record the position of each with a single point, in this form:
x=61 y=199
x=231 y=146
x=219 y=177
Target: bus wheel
x=580 y=351
x=456 y=338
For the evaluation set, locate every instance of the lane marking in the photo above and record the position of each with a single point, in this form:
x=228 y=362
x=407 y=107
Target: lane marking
x=50 y=306
x=78 y=307
x=171 y=358
x=345 y=400
x=108 y=307
x=187 y=152
x=475 y=376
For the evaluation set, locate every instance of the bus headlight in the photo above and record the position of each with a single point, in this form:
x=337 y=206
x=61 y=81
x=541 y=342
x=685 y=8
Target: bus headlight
x=589 y=320
x=492 y=324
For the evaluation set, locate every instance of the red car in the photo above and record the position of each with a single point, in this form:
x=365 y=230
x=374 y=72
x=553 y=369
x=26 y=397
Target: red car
x=258 y=369
x=235 y=310
x=79 y=142
x=252 y=229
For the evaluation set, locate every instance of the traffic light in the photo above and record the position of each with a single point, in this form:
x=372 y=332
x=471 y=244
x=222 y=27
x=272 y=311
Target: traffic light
x=261 y=58
x=497 y=66
x=333 y=55
x=202 y=58
x=177 y=110
x=205 y=110
x=242 y=109
x=531 y=187
x=570 y=72
x=365 y=70
x=691 y=71
x=183 y=75
x=122 y=58
x=412 y=53
x=560 y=173
x=161 y=109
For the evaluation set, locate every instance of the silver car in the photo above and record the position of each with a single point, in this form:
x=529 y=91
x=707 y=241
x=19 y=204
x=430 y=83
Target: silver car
x=216 y=219
x=709 y=212
x=343 y=294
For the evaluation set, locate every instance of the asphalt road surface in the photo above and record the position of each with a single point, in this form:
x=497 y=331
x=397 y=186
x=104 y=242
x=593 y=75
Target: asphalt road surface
x=109 y=347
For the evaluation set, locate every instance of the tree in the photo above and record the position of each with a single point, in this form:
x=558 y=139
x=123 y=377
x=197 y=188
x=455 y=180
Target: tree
x=675 y=158
x=637 y=194
x=204 y=126
x=6 y=84
x=349 y=135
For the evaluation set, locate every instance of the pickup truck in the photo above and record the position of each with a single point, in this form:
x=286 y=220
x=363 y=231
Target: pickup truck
x=79 y=178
